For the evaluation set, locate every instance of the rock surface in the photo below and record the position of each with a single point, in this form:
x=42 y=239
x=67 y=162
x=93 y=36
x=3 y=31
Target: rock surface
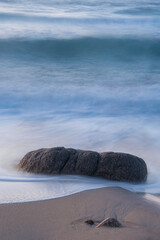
x=109 y=165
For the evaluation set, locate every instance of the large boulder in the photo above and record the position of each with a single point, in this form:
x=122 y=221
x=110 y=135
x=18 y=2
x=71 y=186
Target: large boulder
x=109 y=165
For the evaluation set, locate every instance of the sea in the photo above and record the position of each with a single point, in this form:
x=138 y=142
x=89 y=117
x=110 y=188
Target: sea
x=80 y=74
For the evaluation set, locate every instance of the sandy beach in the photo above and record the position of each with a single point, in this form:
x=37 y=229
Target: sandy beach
x=64 y=218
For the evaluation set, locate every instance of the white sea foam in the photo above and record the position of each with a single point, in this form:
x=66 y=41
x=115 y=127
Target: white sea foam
x=20 y=138
x=34 y=20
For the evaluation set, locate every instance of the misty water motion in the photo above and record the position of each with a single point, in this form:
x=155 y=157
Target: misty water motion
x=81 y=74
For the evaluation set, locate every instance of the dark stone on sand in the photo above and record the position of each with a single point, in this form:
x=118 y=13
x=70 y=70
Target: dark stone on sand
x=109 y=165
x=109 y=222
x=89 y=221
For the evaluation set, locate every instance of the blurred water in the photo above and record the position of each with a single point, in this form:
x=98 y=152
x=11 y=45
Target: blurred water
x=81 y=74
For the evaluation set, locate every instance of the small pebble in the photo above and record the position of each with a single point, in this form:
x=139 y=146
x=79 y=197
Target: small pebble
x=89 y=221
x=109 y=222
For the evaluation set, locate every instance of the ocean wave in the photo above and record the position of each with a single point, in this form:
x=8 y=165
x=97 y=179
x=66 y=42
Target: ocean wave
x=107 y=47
x=74 y=18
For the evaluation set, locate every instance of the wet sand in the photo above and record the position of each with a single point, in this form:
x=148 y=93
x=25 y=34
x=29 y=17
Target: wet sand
x=64 y=218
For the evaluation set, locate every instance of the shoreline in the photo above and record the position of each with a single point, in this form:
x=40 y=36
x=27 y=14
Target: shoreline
x=63 y=218
x=152 y=198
